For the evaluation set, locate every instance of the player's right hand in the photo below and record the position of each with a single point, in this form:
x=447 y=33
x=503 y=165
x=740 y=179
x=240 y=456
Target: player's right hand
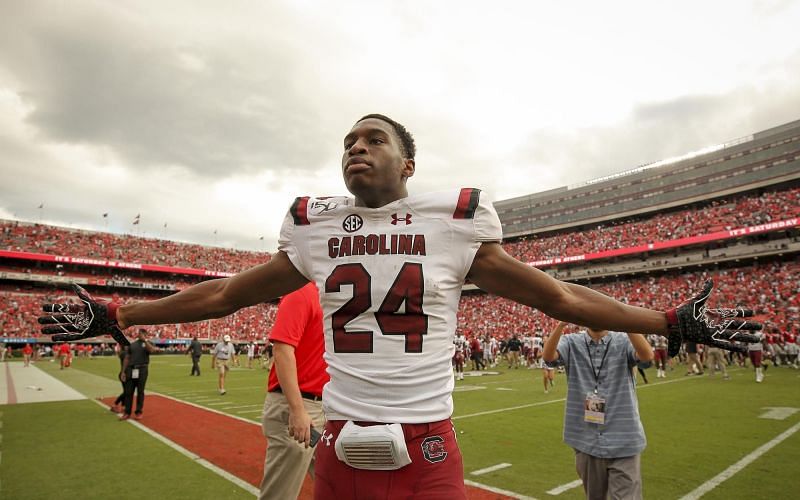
x=71 y=322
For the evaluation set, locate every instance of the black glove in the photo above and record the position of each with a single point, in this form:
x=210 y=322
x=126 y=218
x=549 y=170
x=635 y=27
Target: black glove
x=75 y=322
x=693 y=322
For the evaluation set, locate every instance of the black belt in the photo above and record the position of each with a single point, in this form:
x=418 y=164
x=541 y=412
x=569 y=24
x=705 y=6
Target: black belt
x=305 y=395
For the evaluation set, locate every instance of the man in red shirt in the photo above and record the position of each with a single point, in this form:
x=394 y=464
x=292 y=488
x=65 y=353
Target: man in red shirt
x=66 y=355
x=476 y=353
x=294 y=397
x=27 y=352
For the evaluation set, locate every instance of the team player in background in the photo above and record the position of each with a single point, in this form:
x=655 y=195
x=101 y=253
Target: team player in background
x=251 y=353
x=486 y=345
x=659 y=344
x=756 y=352
x=460 y=355
x=537 y=343
x=390 y=268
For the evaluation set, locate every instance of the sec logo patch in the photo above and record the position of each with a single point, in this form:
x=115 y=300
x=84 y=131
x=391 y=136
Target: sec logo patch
x=352 y=223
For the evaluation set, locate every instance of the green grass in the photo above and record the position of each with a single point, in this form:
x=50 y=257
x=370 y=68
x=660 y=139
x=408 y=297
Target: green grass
x=696 y=427
x=77 y=449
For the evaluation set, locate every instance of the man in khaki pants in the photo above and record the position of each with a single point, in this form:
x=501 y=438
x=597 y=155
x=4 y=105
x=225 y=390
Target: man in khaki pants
x=716 y=359
x=294 y=399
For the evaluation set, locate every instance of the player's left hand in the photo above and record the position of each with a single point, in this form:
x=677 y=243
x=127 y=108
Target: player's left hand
x=71 y=322
x=692 y=321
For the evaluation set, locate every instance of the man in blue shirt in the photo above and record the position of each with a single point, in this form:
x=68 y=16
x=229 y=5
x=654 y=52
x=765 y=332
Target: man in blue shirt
x=601 y=419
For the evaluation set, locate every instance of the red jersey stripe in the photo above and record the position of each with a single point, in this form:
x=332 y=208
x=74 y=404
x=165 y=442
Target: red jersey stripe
x=300 y=211
x=467 y=203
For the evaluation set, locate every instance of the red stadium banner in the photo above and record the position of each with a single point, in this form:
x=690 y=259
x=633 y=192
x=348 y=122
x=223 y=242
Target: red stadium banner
x=112 y=263
x=661 y=245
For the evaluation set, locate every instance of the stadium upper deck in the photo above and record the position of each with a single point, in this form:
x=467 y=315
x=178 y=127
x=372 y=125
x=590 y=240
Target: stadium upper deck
x=763 y=159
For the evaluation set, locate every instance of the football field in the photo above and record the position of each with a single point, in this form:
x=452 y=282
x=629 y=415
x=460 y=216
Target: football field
x=707 y=437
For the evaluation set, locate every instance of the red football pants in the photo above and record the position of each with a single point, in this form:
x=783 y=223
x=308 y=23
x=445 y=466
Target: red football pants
x=436 y=470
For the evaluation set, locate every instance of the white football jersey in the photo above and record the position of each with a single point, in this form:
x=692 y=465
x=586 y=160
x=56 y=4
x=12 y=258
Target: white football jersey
x=390 y=280
x=460 y=343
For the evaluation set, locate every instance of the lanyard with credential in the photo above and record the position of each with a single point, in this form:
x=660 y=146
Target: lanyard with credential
x=596 y=372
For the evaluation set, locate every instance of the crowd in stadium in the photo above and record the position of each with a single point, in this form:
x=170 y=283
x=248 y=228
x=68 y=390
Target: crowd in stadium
x=737 y=212
x=53 y=240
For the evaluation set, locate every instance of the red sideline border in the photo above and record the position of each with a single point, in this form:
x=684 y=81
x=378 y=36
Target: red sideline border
x=232 y=444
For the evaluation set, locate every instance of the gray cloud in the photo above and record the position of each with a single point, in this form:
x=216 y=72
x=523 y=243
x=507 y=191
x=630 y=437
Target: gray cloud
x=97 y=80
x=660 y=130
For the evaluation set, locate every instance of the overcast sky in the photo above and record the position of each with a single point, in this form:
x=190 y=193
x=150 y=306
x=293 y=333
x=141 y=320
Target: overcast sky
x=215 y=115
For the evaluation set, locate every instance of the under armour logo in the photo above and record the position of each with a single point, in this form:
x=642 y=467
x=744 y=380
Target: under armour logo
x=326 y=437
x=396 y=219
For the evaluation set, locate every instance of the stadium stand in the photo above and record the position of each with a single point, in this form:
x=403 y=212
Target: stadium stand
x=50 y=240
x=716 y=215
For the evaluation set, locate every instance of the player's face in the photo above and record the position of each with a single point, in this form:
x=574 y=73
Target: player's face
x=373 y=166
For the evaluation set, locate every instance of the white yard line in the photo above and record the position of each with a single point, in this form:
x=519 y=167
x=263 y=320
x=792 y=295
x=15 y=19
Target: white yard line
x=542 y=403
x=498 y=490
x=741 y=464
x=565 y=487
x=208 y=409
x=205 y=463
x=503 y=410
x=487 y=470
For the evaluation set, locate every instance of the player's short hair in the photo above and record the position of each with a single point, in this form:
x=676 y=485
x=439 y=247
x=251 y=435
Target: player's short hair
x=406 y=139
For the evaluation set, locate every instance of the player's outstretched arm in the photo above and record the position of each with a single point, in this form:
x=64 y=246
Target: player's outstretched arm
x=207 y=300
x=494 y=271
x=217 y=298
